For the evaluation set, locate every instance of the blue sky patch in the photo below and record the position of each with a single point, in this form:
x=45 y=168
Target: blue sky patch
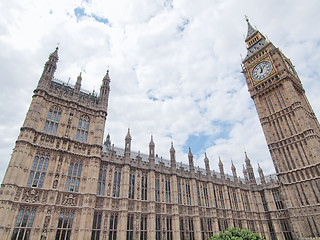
x=197 y=143
x=168 y=3
x=79 y=12
x=150 y=96
x=100 y=19
x=153 y=98
x=224 y=129
x=183 y=26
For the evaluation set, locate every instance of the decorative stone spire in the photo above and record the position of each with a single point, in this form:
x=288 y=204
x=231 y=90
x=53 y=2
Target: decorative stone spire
x=255 y=41
x=151 y=150
x=127 y=148
x=250 y=172
x=262 y=179
x=77 y=86
x=221 y=169
x=51 y=64
x=107 y=143
x=247 y=160
x=105 y=87
x=206 y=163
x=104 y=91
x=173 y=156
x=234 y=172
x=251 y=30
x=245 y=174
x=191 y=165
x=49 y=69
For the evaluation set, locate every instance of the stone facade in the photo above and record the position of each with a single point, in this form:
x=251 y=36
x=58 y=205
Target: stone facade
x=291 y=129
x=63 y=182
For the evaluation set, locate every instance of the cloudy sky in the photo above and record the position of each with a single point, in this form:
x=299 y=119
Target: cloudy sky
x=175 y=68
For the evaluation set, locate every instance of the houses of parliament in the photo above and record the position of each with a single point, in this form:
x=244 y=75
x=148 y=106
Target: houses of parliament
x=64 y=181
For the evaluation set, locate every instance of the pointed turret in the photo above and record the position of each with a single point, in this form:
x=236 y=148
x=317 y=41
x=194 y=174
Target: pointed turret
x=245 y=174
x=173 y=156
x=49 y=69
x=127 y=149
x=77 y=86
x=105 y=87
x=255 y=41
x=151 y=150
x=262 y=179
x=191 y=164
x=251 y=30
x=234 y=172
x=249 y=167
x=51 y=64
x=138 y=157
x=221 y=168
x=206 y=163
x=107 y=143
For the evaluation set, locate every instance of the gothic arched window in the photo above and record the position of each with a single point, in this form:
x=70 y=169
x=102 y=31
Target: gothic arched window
x=102 y=180
x=74 y=174
x=24 y=223
x=83 y=128
x=144 y=186
x=116 y=183
x=38 y=170
x=65 y=223
x=52 y=121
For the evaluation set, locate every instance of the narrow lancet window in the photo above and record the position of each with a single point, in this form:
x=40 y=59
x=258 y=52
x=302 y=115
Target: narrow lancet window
x=38 y=170
x=83 y=129
x=74 y=174
x=52 y=121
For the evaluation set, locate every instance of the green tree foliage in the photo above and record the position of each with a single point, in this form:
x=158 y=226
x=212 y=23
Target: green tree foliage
x=236 y=234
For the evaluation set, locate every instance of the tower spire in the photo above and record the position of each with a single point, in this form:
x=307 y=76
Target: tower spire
x=251 y=30
x=49 y=69
x=255 y=41
x=191 y=165
x=151 y=151
x=262 y=179
x=127 y=149
x=105 y=89
x=206 y=163
x=107 y=142
x=245 y=174
x=250 y=172
x=172 y=156
x=221 y=168
x=234 y=172
x=77 y=86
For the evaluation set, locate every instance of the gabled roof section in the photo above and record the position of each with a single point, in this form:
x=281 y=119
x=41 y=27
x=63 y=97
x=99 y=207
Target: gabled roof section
x=255 y=41
x=251 y=30
x=256 y=48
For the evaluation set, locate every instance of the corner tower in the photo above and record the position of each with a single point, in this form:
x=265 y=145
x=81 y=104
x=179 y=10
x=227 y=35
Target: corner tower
x=290 y=127
x=56 y=154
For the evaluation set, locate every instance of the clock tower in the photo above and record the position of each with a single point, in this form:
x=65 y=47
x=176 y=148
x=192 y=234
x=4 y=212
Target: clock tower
x=291 y=129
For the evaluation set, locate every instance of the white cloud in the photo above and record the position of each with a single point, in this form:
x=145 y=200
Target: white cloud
x=174 y=67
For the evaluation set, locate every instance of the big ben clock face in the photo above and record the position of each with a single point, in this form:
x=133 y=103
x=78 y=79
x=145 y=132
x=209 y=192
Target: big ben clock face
x=261 y=71
x=290 y=67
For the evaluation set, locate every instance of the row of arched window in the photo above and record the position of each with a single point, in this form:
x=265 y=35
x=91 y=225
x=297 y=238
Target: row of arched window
x=52 y=123
x=39 y=169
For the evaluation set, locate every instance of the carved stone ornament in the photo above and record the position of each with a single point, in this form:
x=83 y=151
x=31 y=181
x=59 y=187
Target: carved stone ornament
x=281 y=213
x=45 y=227
x=69 y=200
x=31 y=196
x=18 y=193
